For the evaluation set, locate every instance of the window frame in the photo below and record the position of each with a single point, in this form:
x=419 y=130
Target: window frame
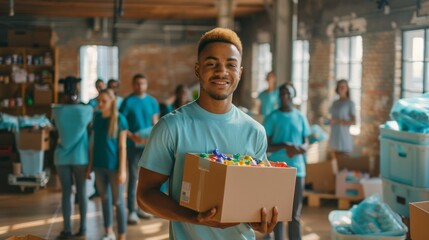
x=424 y=61
x=354 y=129
x=303 y=101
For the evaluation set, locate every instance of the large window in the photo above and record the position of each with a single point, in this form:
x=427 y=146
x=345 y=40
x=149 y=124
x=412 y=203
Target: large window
x=261 y=67
x=415 y=79
x=96 y=62
x=301 y=58
x=348 y=65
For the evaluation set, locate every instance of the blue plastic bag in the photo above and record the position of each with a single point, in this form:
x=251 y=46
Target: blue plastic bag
x=374 y=217
x=412 y=114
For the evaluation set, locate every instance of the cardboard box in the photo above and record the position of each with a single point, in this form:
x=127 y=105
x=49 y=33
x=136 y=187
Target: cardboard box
x=347 y=187
x=365 y=164
x=42 y=38
x=42 y=95
x=33 y=139
x=320 y=177
x=419 y=218
x=238 y=192
x=20 y=38
x=38 y=37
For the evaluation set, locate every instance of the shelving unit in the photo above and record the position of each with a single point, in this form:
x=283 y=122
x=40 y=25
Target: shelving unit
x=20 y=70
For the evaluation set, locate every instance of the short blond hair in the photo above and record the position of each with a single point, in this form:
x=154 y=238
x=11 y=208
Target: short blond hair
x=220 y=35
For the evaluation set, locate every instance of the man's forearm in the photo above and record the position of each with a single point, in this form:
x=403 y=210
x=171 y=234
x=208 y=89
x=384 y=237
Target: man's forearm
x=157 y=203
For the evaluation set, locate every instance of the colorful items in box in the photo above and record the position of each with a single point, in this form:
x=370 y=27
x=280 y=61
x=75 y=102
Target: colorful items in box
x=239 y=160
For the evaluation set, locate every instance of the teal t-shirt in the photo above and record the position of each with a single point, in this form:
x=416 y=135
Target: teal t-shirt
x=288 y=127
x=269 y=101
x=139 y=112
x=106 y=153
x=93 y=102
x=192 y=129
x=71 y=122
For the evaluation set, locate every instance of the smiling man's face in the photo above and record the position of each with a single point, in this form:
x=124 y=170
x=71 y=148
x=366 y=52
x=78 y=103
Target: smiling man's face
x=219 y=70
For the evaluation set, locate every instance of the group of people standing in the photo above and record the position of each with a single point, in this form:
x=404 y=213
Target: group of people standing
x=212 y=121
x=103 y=137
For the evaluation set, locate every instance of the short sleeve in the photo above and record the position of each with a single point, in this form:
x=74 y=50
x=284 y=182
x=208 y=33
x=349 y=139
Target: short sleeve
x=122 y=123
x=158 y=155
x=155 y=106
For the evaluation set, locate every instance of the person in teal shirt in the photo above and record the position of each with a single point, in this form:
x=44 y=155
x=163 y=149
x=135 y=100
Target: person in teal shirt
x=269 y=98
x=114 y=85
x=71 y=157
x=109 y=161
x=287 y=131
x=99 y=85
x=142 y=112
x=210 y=122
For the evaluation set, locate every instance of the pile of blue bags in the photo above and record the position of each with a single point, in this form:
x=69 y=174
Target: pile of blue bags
x=412 y=114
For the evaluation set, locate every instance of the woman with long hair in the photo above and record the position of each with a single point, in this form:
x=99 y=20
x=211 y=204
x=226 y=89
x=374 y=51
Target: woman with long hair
x=108 y=160
x=342 y=117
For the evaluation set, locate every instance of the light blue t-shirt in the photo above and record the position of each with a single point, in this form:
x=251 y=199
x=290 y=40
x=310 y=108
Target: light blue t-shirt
x=288 y=127
x=192 y=129
x=139 y=112
x=269 y=101
x=106 y=153
x=71 y=122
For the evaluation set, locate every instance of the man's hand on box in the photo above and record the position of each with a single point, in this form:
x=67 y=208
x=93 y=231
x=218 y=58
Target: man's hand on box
x=207 y=218
x=264 y=226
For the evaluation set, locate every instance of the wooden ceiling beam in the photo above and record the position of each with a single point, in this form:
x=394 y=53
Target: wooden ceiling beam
x=161 y=9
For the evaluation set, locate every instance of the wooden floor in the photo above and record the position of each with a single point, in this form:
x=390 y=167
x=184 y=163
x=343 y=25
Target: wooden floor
x=39 y=214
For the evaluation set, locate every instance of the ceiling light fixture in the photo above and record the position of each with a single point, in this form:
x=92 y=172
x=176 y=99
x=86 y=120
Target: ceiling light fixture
x=11 y=8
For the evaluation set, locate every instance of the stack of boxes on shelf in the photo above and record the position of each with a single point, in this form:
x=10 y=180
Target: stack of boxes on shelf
x=405 y=173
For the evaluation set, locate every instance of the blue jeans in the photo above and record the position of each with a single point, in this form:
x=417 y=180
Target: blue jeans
x=294 y=226
x=107 y=185
x=134 y=154
x=66 y=174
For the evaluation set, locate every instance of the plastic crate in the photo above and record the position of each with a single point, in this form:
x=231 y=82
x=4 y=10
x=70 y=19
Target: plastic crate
x=403 y=136
x=398 y=196
x=404 y=162
x=338 y=218
x=372 y=186
x=32 y=162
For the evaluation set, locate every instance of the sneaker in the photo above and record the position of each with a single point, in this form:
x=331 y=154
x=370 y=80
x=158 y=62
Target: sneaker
x=109 y=236
x=133 y=219
x=144 y=215
x=64 y=235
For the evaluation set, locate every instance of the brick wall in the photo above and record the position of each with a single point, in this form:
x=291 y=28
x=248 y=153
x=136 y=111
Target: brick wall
x=164 y=67
x=378 y=69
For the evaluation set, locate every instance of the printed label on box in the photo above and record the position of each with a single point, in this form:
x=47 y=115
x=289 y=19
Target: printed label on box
x=186 y=192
